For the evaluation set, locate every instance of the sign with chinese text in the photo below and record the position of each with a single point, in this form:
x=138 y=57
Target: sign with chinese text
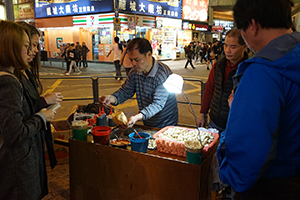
x=131 y=22
x=195 y=10
x=117 y=24
x=152 y=7
x=57 y=8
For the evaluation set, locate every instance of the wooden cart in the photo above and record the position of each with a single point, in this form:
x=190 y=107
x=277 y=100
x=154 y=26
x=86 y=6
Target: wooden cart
x=104 y=172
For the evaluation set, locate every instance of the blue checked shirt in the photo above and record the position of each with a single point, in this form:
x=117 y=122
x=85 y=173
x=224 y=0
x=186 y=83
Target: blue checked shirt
x=158 y=106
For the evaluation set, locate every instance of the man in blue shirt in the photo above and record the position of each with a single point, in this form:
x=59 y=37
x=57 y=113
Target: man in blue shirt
x=157 y=107
x=259 y=152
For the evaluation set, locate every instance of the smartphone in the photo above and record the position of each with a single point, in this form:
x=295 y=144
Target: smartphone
x=54 y=107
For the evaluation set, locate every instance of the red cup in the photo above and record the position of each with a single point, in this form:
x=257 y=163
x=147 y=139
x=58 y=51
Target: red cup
x=101 y=134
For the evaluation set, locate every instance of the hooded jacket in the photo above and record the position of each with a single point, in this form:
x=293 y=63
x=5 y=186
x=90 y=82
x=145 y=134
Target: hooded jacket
x=262 y=137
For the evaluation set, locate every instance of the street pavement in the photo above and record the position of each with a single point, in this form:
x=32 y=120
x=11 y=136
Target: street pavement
x=58 y=67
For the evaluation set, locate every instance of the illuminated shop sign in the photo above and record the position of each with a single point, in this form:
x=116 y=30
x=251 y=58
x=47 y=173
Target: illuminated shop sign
x=217 y=29
x=58 y=8
x=195 y=10
x=23 y=11
x=196 y=27
x=152 y=7
x=224 y=23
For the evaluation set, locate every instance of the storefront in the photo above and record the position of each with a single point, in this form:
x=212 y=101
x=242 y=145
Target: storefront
x=193 y=32
x=102 y=31
x=165 y=36
x=194 y=21
x=221 y=28
x=59 y=27
x=168 y=21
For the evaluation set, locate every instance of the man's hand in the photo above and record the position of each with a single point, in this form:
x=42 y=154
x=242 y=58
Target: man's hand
x=107 y=100
x=53 y=98
x=132 y=120
x=230 y=98
x=201 y=120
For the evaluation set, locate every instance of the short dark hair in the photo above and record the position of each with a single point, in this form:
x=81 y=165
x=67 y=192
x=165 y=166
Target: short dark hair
x=237 y=34
x=143 y=45
x=268 y=13
x=117 y=39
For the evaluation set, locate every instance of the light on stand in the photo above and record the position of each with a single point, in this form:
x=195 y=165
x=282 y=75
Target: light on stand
x=174 y=84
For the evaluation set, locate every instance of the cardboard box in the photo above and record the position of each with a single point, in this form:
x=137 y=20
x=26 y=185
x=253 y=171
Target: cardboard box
x=61 y=151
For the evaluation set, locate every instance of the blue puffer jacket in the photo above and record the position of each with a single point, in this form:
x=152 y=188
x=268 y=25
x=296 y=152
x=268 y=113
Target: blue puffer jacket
x=262 y=137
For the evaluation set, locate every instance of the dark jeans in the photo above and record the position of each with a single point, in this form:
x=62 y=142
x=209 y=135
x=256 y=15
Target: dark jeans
x=189 y=60
x=286 y=188
x=68 y=65
x=78 y=62
x=118 y=68
x=84 y=63
x=203 y=58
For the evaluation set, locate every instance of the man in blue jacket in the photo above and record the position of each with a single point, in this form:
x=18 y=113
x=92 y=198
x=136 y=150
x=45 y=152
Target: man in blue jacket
x=259 y=152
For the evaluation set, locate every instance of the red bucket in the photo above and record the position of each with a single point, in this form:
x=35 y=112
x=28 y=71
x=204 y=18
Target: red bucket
x=101 y=134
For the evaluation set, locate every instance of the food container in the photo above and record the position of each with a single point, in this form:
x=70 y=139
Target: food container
x=139 y=144
x=121 y=143
x=178 y=148
x=152 y=144
x=101 y=134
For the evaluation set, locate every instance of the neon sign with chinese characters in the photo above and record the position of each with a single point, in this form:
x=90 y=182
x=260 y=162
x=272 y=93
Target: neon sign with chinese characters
x=170 y=9
x=57 y=8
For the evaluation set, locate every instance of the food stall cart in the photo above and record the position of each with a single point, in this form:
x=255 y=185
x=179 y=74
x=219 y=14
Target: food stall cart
x=105 y=172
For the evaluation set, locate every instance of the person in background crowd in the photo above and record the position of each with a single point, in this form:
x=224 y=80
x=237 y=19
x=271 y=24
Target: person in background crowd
x=21 y=176
x=157 y=107
x=32 y=90
x=65 y=56
x=84 y=51
x=72 y=55
x=197 y=51
x=259 y=150
x=189 y=52
x=217 y=49
x=78 y=53
x=117 y=49
x=159 y=48
x=125 y=61
x=210 y=55
x=217 y=90
x=203 y=53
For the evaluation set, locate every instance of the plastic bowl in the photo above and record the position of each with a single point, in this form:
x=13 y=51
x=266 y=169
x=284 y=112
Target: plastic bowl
x=122 y=143
x=139 y=144
x=101 y=134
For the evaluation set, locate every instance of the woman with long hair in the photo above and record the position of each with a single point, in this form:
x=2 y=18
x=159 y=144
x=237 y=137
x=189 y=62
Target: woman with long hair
x=32 y=90
x=20 y=172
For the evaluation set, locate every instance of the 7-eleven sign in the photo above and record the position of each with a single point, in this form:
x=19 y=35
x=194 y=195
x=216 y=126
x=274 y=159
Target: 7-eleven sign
x=138 y=21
